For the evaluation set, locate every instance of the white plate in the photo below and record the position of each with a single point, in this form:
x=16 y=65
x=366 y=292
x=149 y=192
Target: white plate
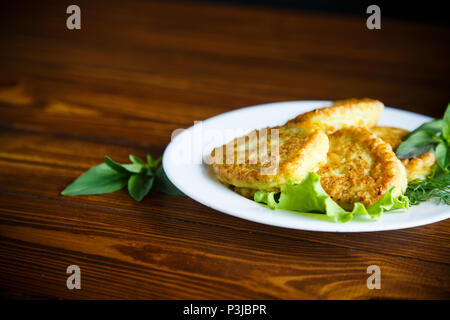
x=183 y=165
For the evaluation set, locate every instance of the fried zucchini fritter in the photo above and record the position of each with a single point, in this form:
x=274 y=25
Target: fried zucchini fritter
x=360 y=168
x=341 y=114
x=296 y=153
x=391 y=135
x=416 y=168
x=421 y=167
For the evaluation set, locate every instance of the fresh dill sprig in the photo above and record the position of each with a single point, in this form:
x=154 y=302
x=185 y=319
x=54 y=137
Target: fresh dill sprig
x=435 y=188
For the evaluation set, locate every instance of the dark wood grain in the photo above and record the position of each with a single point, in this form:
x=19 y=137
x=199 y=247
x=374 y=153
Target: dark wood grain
x=138 y=70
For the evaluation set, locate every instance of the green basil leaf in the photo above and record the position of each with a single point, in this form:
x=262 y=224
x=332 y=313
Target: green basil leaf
x=157 y=162
x=417 y=144
x=133 y=168
x=153 y=163
x=442 y=156
x=139 y=185
x=124 y=168
x=136 y=160
x=433 y=126
x=115 y=166
x=97 y=180
x=415 y=152
x=446 y=124
x=438 y=139
x=164 y=185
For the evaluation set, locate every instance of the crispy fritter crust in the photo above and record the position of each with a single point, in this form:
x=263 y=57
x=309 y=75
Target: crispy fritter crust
x=393 y=136
x=420 y=167
x=360 y=168
x=341 y=114
x=416 y=168
x=299 y=153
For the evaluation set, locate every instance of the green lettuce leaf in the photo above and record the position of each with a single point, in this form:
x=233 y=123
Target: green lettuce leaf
x=308 y=196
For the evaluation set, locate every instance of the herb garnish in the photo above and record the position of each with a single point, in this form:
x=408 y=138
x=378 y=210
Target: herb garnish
x=435 y=188
x=138 y=176
x=431 y=136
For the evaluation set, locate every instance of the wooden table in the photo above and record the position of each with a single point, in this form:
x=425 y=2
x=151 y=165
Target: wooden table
x=136 y=71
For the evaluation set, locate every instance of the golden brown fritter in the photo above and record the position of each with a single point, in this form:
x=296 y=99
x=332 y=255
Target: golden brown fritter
x=341 y=114
x=420 y=167
x=416 y=168
x=360 y=168
x=393 y=136
x=298 y=153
